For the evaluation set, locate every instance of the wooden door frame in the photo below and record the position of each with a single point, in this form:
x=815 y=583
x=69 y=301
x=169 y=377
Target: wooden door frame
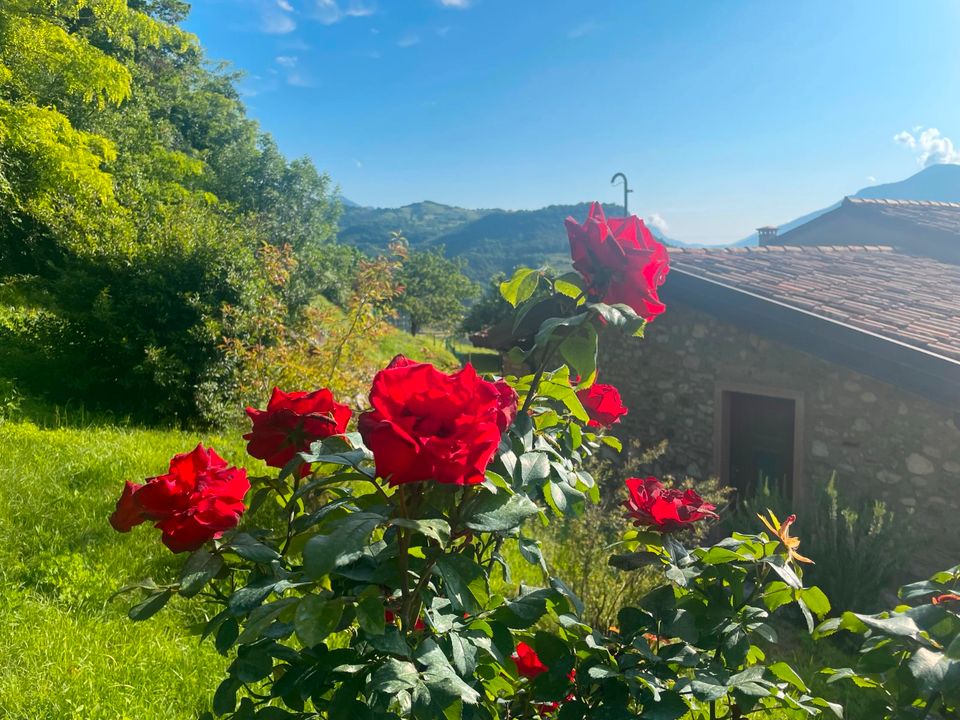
x=721 y=429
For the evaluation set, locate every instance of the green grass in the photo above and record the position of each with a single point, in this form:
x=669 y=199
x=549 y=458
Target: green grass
x=69 y=651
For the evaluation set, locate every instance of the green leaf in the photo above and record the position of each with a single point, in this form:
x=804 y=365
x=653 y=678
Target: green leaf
x=570 y=284
x=707 y=688
x=262 y=617
x=227 y=635
x=579 y=350
x=371 y=612
x=670 y=706
x=719 y=555
x=896 y=625
x=953 y=650
x=502 y=512
x=248 y=547
x=434 y=528
x=815 y=600
x=151 y=606
x=316 y=619
x=343 y=544
x=778 y=594
x=783 y=569
x=201 y=567
x=533 y=468
x=440 y=677
x=530 y=551
x=465 y=582
x=929 y=668
x=612 y=441
x=225 y=698
x=620 y=316
x=521 y=286
x=788 y=674
x=849 y=674
x=394 y=676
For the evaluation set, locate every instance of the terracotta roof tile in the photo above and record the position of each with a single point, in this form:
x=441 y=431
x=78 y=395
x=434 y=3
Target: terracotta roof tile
x=907 y=298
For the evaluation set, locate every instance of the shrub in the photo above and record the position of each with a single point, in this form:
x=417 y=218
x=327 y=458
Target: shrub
x=859 y=548
x=359 y=583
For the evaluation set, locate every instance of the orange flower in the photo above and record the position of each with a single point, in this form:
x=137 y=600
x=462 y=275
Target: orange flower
x=948 y=597
x=782 y=531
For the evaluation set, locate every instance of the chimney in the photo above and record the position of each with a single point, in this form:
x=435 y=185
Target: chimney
x=767 y=235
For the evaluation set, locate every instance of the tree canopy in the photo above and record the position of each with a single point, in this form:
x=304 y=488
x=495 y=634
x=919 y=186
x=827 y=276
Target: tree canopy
x=434 y=289
x=135 y=194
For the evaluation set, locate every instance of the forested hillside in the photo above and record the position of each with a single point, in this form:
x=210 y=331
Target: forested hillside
x=136 y=201
x=488 y=241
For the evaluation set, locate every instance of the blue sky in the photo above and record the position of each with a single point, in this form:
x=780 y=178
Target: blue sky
x=724 y=114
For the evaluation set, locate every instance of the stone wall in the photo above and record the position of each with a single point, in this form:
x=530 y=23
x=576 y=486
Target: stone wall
x=883 y=442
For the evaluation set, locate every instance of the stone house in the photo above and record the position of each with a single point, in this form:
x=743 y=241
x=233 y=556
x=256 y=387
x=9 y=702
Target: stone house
x=791 y=362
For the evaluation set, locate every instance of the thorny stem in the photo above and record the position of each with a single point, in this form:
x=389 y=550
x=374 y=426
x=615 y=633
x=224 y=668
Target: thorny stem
x=532 y=392
x=403 y=546
x=291 y=516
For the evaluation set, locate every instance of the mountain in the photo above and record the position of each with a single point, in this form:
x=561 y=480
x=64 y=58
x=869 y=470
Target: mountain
x=490 y=241
x=369 y=228
x=937 y=182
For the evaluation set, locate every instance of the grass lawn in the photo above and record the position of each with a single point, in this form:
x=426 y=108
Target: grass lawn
x=70 y=652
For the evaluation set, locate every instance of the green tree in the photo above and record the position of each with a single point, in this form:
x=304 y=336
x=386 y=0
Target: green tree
x=134 y=195
x=434 y=290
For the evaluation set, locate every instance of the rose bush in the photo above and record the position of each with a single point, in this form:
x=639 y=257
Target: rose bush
x=360 y=584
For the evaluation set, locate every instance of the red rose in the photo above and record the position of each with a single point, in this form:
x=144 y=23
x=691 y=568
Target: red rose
x=196 y=501
x=291 y=422
x=427 y=425
x=527 y=661
x=603 y=404
x=620 y=261
x=653 y=505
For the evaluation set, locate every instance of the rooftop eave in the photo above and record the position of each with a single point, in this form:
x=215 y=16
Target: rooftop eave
x=912 y=368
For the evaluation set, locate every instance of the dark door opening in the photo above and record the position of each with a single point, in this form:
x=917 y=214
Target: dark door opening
x=760 y=432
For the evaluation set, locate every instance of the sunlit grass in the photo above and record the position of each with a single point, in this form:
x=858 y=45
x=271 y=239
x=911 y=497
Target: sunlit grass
x=69 y=651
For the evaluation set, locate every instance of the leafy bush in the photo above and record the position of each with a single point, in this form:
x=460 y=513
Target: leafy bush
x=360 y=583
x=579 y=547
x=859 y=549
x=909 y=660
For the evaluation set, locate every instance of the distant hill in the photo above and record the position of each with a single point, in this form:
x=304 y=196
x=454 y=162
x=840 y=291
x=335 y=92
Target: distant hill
x=937 y=182
x=490 y=241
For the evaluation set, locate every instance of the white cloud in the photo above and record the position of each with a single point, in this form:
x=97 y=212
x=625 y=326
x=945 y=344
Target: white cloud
x=871 y=179
x=408 y=40
x=930 y=146
x=298 y=79
x=583 y=30
x=443 y=30
x=277 y=23
x=275 y=17
x=287 y=61
x=359 y=164
x=330 y=12
x=459 y=4
x=656 y=221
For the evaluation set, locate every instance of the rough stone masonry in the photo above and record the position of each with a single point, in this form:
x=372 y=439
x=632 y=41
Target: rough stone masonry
x=882 y=441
